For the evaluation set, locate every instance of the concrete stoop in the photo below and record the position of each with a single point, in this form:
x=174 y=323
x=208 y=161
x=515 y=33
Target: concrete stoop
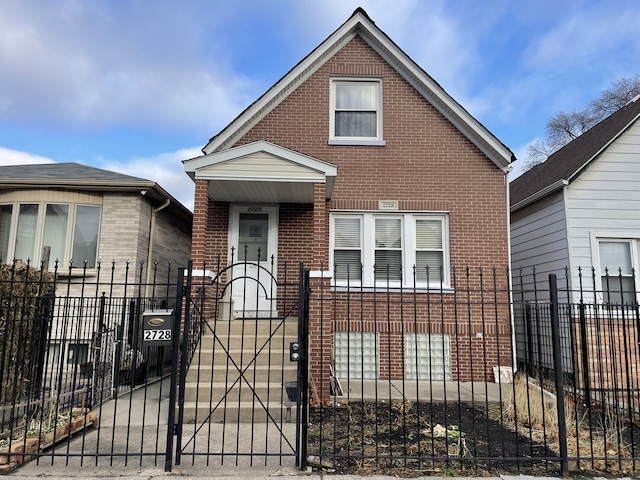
x=239 y=371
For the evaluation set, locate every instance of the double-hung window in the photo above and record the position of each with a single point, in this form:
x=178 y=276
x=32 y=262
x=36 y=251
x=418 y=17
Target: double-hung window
x=61 y=232
x=356 y=111
x=619 y=270
x=394 y=249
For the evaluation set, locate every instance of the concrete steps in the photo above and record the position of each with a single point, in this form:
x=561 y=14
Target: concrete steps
x=215 y=391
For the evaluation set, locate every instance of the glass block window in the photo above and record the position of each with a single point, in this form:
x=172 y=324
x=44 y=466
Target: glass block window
x=427 y=356
x=356 y=355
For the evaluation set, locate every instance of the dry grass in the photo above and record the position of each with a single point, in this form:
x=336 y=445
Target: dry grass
x=600 y=434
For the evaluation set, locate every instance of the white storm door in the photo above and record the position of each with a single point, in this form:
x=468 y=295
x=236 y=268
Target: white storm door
x=253 y=236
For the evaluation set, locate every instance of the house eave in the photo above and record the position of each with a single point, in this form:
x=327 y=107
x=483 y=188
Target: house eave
x=360 y=24
x=539 y=195
x=154 y=192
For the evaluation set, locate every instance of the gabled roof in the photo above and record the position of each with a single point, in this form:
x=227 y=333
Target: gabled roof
x=565 y=165
x=261 y=171
x=359 y=24
x=75 y=176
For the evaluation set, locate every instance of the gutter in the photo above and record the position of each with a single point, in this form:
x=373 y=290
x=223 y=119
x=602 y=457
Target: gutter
x=152 y=228
x=539 y=195
x=514 y=355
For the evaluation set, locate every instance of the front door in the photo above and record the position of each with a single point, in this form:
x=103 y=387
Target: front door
x=253 y=236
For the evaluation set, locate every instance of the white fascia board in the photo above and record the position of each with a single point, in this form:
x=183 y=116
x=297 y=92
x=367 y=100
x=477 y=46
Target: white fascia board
x=303 y=70
x=540 y=194
x=206 y=176
x=415 y=75
x=440 y=99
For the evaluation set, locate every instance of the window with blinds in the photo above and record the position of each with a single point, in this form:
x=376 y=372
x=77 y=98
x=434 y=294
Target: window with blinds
x=429 y=250
x=394 y=249
x=57 y=233
x=388 y=249
x=347 y=254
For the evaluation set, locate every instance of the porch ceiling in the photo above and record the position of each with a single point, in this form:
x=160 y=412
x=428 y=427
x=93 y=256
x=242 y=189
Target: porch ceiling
x=261 y=172
x=260 y=191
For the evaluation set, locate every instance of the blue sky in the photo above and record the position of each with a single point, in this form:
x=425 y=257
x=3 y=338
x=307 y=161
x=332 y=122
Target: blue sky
x=136 y=86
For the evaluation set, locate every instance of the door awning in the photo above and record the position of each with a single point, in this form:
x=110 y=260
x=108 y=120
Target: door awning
x=261 y=172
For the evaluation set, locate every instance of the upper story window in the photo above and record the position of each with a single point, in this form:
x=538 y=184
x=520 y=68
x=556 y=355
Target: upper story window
x=619 y=269
x=356 y=112
x=67 y=231
x=399 y=249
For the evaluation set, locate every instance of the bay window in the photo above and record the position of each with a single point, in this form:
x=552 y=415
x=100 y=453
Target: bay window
x=389 y=249
x=69 y=232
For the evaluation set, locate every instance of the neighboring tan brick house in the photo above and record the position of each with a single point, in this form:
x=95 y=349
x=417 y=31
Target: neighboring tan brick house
x=357 y=142
x=93 y=223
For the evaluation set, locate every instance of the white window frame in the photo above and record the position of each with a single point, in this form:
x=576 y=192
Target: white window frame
x=36 y=258
x=613 y=237
x=378 y=139
x=367 y=232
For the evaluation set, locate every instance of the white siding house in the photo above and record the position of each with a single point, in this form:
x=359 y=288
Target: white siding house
x=577 y=215
x=579 y=211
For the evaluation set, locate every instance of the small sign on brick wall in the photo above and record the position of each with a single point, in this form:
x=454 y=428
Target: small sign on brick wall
x=387 y=204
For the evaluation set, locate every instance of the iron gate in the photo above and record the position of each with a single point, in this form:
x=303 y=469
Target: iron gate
x=83 y=385
x=237 y=377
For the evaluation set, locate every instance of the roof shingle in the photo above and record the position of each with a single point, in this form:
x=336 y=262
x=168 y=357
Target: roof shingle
x=570 y=159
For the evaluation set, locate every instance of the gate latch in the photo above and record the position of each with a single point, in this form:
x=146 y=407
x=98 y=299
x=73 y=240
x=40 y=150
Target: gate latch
x=294 y=351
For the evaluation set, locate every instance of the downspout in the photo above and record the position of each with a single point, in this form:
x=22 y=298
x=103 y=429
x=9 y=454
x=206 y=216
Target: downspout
x=152 y=228
x=511 y=313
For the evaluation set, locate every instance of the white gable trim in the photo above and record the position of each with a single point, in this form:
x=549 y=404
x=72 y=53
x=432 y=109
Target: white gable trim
x=193 y=165
x=360 y=24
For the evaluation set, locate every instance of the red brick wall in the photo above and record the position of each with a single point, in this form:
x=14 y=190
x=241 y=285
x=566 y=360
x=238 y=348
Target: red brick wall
x=426 y=165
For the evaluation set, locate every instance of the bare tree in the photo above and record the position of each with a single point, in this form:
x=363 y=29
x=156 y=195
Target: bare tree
x=564 y=127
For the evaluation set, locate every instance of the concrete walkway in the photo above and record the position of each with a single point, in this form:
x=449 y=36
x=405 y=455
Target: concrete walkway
x=136 y=423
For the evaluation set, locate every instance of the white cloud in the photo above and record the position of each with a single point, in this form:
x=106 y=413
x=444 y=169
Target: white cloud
x=598 y=32
x=90 y=64
x=165 y=169
x=16 y=157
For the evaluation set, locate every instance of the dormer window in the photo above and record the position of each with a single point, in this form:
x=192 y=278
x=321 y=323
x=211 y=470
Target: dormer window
x=356 y=112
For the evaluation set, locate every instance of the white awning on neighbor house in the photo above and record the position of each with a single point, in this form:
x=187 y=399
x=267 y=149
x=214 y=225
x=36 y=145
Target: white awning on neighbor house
x=261 y=172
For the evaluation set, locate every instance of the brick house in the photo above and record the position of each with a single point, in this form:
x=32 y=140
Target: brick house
x=357 y=143
x=88 y=225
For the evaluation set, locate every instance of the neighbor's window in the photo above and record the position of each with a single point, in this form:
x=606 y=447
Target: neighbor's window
x=85 y=237
x=356 y=110
x=399 y=249
x=618 y=267
x=5 y=230
x=66 y=231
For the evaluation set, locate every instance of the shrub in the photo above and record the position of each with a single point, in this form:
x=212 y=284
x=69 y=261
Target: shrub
x=26 y=300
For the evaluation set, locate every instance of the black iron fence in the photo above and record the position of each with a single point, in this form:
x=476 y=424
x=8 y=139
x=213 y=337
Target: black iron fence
x=477 y=376
x=71 y=349
x=493 y=371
